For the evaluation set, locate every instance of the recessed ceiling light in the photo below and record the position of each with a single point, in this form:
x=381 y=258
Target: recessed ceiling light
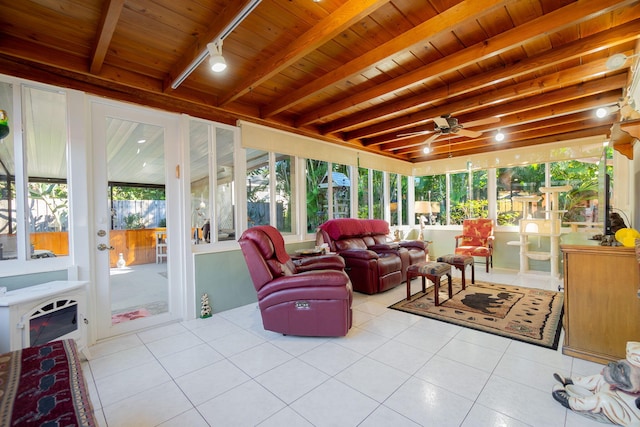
x=618 y=60
x=603 y=112
x=500 y=136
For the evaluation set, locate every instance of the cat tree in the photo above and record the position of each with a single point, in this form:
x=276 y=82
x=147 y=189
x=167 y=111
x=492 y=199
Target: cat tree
x=549 y=227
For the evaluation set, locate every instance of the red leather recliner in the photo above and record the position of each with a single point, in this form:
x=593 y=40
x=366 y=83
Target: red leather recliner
x=373 y=263
x=311 y=297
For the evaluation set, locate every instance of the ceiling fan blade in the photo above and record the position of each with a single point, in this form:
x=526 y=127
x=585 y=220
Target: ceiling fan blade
x=441 y=122
x=421 y=132
x=432 y=138
x=487 y=121
x=469 y=133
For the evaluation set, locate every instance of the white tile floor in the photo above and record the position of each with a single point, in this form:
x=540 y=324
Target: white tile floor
x=392 y=368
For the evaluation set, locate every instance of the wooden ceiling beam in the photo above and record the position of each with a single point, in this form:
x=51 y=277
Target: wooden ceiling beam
x=344 y=17
x=199 y=45
x=439 y=24
x=550 y=22
x=495 y=146
x=108 y=21
x=565 y=123
x=534 y=86
x=605 y=39
x=533 y=119
x=551 y=97
x=406 y=148
x=581 y=100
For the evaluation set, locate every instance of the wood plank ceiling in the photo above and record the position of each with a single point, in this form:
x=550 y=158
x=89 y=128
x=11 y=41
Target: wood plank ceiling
x=367 y=74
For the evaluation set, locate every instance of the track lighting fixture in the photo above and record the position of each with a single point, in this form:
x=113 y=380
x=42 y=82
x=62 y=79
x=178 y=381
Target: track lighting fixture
x=216 y=60
x=499 y=136
x=427 y=149
x=237 y=20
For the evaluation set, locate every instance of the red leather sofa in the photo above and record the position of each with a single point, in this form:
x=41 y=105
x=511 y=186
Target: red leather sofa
x=310 y=297
x=373 y=262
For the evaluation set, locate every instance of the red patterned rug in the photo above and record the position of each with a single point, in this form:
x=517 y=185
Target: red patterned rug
x=44 y=386
x=525 y=314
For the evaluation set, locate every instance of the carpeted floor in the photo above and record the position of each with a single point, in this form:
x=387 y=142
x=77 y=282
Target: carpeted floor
x=525 y=314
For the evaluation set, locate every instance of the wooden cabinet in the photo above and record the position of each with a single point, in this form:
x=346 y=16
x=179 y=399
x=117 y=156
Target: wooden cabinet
x=601 y=305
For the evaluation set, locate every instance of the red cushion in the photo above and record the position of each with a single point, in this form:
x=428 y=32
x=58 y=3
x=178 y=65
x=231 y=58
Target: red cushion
x=473 y=251
x=377 y=226
x=341 y=228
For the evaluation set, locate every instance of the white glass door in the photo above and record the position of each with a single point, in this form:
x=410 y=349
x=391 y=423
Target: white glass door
x=136 y=268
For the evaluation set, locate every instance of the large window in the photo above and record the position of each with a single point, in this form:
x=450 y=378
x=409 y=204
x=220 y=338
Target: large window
x=328 y=192
x=517 y=193
x=370 y=193
x=258 y=197
x=581 y=202
x=364 y=190
x=263 y=186
x=341 y=186
x=43 y=167
x=395 y=198
x=512 y=184
x=224 y=221
x=285 y=192
x=378 y=194
x=431 y=199
x=200 y=180
x=211 y=152
x=459 y=198
x=317 y=194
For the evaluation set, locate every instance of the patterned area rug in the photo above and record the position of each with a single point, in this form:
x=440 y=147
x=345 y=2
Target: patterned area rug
x=525 y=314
x=44 y=386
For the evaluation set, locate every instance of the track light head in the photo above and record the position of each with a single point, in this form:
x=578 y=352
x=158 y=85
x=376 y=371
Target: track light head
x=216 y=60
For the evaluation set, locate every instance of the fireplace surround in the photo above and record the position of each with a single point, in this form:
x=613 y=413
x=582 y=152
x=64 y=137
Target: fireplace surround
x=38 y=314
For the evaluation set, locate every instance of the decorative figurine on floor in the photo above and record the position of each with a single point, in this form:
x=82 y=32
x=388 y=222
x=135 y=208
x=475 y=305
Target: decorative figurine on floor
x=613 y=396
x=205 y=308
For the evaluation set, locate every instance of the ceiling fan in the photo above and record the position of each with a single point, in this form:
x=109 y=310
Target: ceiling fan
x=447 y=125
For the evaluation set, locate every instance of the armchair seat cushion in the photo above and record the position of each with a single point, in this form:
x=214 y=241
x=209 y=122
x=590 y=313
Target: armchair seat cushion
x=388 y=263
x=321 y=293
x=473 y=251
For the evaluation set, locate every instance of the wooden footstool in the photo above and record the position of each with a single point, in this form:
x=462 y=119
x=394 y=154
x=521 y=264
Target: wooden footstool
x=429 y=270
x=460 y=262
